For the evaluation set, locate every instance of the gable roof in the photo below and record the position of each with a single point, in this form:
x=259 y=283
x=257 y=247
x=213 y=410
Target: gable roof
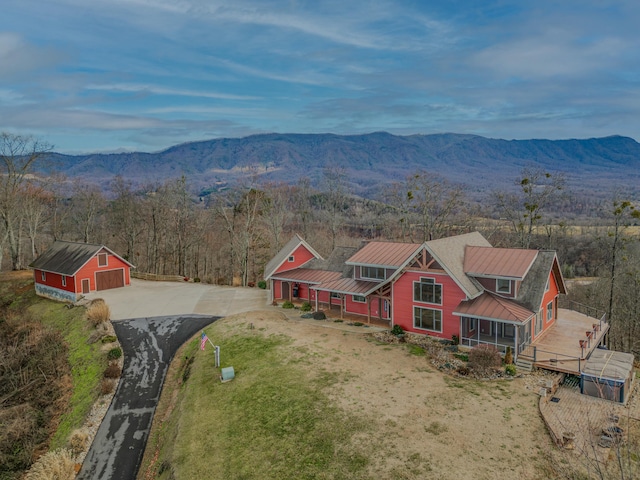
x=498 y=262
x=384 y=254
x=285 y=252
x=449 y=252
x=533 y=286
x=67 y=258
x=490 y=306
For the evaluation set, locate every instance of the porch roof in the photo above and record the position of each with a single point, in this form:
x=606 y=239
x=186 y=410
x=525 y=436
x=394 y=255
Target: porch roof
x=350 y=286
x=307 y=275
x=489 y=306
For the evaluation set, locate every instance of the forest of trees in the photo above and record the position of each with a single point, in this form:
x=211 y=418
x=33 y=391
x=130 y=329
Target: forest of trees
x=227 y=236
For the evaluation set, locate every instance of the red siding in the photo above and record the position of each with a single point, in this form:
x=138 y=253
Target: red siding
x=91 y=267
x=301 y=255
x=359 y=308
x=549 y=296
x=403 y=303
x=54 y=280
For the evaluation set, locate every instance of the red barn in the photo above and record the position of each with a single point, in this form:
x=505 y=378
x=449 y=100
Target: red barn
x=68 y=270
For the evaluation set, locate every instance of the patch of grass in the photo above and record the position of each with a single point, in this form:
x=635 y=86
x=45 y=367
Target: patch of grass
x=274 y=421
x=87 y=363
x=416 y=350
x=435 y=428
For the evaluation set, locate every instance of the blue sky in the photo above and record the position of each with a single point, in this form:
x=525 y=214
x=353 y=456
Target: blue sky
x=110 y=75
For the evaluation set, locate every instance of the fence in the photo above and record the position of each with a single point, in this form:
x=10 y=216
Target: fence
x=156 y=277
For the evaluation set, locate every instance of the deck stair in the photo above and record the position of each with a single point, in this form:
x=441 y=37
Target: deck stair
x=524 y=364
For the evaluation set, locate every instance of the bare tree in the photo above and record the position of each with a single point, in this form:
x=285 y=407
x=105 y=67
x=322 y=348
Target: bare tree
x=87 y=203
x=334 y=203
x=18 y=157
x=276 y=211
x=125 y=216
x=36 y=201
x=524 y=210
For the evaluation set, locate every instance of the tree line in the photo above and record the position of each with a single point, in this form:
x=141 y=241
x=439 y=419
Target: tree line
x=227 y=236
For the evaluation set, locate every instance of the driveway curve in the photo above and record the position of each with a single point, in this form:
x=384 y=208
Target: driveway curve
x=152 y=320
x=149 y=345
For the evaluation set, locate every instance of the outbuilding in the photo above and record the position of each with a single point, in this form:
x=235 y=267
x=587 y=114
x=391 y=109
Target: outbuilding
x=68 y=270
x=609 y=375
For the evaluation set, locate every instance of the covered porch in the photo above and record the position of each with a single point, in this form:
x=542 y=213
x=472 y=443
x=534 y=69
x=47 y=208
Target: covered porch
x=499 y=334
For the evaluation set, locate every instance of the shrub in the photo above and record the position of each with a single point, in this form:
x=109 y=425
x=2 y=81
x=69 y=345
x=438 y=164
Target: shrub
x=78 y=441
x=107 y=386
x=112 y=371
x=455 y=339
x=196 y=280
x=287 y=304
x=306 y=307
x=114 y=353
x=109 y=339
x=508 y=356
x=98 y=312
x=53 y=465
x=484 y=358
x=397 y=330
x=262 y=284
x=510 y=370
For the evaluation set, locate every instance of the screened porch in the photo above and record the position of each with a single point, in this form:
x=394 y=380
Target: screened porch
x=474 y=331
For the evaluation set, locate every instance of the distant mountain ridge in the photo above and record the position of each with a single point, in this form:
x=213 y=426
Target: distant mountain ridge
x=372 y=160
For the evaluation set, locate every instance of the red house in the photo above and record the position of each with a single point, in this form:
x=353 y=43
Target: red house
x=68 y=270
x=452 y=287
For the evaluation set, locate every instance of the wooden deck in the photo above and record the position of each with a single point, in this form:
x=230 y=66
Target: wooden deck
x=559 y=348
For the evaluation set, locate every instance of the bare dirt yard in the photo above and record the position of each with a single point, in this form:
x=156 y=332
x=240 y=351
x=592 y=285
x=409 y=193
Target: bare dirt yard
x=423 y=422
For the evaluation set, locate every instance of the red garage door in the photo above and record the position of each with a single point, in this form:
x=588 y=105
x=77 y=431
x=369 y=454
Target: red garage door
x=109 y=279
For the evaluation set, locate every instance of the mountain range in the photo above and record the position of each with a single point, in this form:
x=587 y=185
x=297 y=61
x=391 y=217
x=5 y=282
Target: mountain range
x=595 y=166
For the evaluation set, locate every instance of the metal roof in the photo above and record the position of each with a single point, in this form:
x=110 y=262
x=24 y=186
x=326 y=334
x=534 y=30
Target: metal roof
x=307 y=275
x=498 y=262
x=493 y=307
x=384 y=254
x=66 y=258
x=349 y=285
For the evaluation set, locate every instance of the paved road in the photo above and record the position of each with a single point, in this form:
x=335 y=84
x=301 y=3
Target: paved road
x=149 y=345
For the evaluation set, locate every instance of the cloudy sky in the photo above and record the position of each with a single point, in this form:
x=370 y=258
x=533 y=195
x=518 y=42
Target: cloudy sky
x=110 y=75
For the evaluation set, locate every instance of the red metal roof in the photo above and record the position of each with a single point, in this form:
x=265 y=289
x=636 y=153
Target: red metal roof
x=493 y=307
x=384 y=254
x=498 y=262
x=307 y=275
x=348 y=285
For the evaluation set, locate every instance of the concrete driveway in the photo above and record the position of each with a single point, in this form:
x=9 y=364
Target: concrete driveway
x=152 y=320
x=145 y=299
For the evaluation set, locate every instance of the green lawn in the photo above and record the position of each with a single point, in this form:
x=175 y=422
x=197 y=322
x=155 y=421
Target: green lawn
x=273 y=421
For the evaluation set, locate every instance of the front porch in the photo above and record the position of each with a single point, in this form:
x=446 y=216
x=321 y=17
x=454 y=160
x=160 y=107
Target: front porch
x=567 y=343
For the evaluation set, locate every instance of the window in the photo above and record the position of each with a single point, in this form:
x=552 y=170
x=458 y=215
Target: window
x=43 y=276
x=508 y=330
x=375 y=273
x=503 y=285
x=335 y=295
x=428 y=291
x=549 y=311
x=102 y=260
x=64 y=280
x=427 y=319
x=291 y=259
x=359 y=299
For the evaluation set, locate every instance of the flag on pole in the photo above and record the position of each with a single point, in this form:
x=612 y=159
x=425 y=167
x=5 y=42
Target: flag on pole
x=203 y=341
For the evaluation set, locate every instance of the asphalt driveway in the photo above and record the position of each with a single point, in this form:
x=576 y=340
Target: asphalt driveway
x=152 y=320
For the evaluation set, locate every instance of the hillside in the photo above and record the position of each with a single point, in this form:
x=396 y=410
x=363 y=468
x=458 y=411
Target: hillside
x=596 y=165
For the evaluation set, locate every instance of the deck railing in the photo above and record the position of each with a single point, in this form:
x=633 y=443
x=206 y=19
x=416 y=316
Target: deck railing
x=554 y=358
x=582 y=308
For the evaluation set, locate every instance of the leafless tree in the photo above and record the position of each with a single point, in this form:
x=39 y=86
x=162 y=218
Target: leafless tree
x=86 y=204
x=537 y=189
x=19 y=155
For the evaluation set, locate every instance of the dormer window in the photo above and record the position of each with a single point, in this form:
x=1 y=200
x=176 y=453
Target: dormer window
x=373 y=273
x=503 y=285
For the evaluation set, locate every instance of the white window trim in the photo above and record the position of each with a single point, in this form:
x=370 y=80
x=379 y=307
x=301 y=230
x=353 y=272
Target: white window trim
x=428 y=329
x=64 y=280
x=43 y=275
x=434 y=284
x=364 y=299
x=507 y=292
x=291 y=258
x=106 y=260
x=549 y=311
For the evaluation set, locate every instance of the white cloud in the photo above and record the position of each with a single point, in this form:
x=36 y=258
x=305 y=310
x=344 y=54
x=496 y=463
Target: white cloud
x=158 y=90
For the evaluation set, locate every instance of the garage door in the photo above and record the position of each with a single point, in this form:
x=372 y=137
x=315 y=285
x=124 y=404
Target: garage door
x=109 y=279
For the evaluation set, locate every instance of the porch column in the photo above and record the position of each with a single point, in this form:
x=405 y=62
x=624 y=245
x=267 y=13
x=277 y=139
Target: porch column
x=317 y=295
x=494 y=325
x=368 y=310
x=515 y=347
x=342 y=305
x=380 y=309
